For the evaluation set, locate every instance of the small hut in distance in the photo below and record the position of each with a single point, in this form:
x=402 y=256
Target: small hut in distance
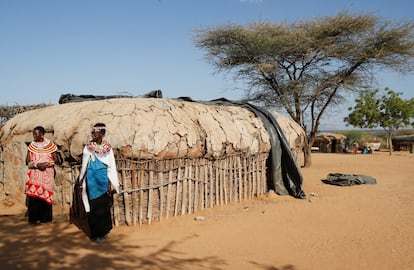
x=327 y=142
x=403 y=143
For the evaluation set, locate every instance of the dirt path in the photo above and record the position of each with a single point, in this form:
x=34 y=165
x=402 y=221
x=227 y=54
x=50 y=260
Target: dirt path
x=358 y=227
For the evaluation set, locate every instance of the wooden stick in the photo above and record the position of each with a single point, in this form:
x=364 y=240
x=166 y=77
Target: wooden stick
x=217 y=179
x=224 y=180
x=126 y=200
x=210 y=168
x=150 y=191
x=134 y=197
x=254 y=178
x=116 y=210
x=205 y=188
x=177 y=190
x=230 y=173
x=259 y=177
x=196 y=177
x=264 y=174
x=249 y=178
x=189 y=193
x=160 y=179
x=141 y=196
x=169 y=191
x=239 y=178
x=184 y=191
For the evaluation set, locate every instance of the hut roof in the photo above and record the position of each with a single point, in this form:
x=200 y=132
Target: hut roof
x=329 y=136
x=403 y=138
x=146 y=127
x=294 y=133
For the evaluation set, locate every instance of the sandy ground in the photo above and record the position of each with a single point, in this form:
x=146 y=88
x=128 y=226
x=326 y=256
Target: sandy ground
x=358 y=227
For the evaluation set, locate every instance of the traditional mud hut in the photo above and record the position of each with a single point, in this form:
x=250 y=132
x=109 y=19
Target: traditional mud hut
x=174 y=157
x=403 y=143
x=328 y=142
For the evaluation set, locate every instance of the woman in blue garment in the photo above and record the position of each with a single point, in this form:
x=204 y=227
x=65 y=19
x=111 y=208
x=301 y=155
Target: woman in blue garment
x=100 y=177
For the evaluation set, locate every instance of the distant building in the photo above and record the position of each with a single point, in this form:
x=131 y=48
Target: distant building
x=403 y=143
x=327 y=142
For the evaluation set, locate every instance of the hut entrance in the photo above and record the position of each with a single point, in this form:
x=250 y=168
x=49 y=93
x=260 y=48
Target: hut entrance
x=333 y=146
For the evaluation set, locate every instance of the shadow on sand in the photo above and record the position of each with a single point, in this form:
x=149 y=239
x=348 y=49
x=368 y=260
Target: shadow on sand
x=63 y=246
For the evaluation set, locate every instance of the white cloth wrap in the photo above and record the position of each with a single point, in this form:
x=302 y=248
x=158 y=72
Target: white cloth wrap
x=109 y=159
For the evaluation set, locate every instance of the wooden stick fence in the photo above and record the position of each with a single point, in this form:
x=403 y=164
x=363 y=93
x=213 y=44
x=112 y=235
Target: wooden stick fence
x=155 y=189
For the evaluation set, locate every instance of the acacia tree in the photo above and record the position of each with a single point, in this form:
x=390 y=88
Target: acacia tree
x=388 y=111
x=307 y=66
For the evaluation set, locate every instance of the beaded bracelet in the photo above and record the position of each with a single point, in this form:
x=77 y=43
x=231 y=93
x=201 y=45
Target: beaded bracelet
x=32 y=165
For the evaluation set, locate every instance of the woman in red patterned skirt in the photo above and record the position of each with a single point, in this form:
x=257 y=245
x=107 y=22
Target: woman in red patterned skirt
x=41 y=158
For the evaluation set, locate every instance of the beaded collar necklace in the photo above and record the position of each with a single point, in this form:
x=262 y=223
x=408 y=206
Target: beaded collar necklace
x=46 y=146
x=102 y=148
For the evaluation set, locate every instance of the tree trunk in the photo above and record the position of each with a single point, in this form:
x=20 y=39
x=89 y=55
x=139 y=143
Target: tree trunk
x=308 y=154
x=390 y=142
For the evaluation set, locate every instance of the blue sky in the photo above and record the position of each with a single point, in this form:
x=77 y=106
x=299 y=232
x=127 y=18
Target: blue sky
x=101 y=47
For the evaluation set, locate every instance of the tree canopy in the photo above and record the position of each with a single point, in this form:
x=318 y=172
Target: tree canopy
x=306 y=66
x=388 y=111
